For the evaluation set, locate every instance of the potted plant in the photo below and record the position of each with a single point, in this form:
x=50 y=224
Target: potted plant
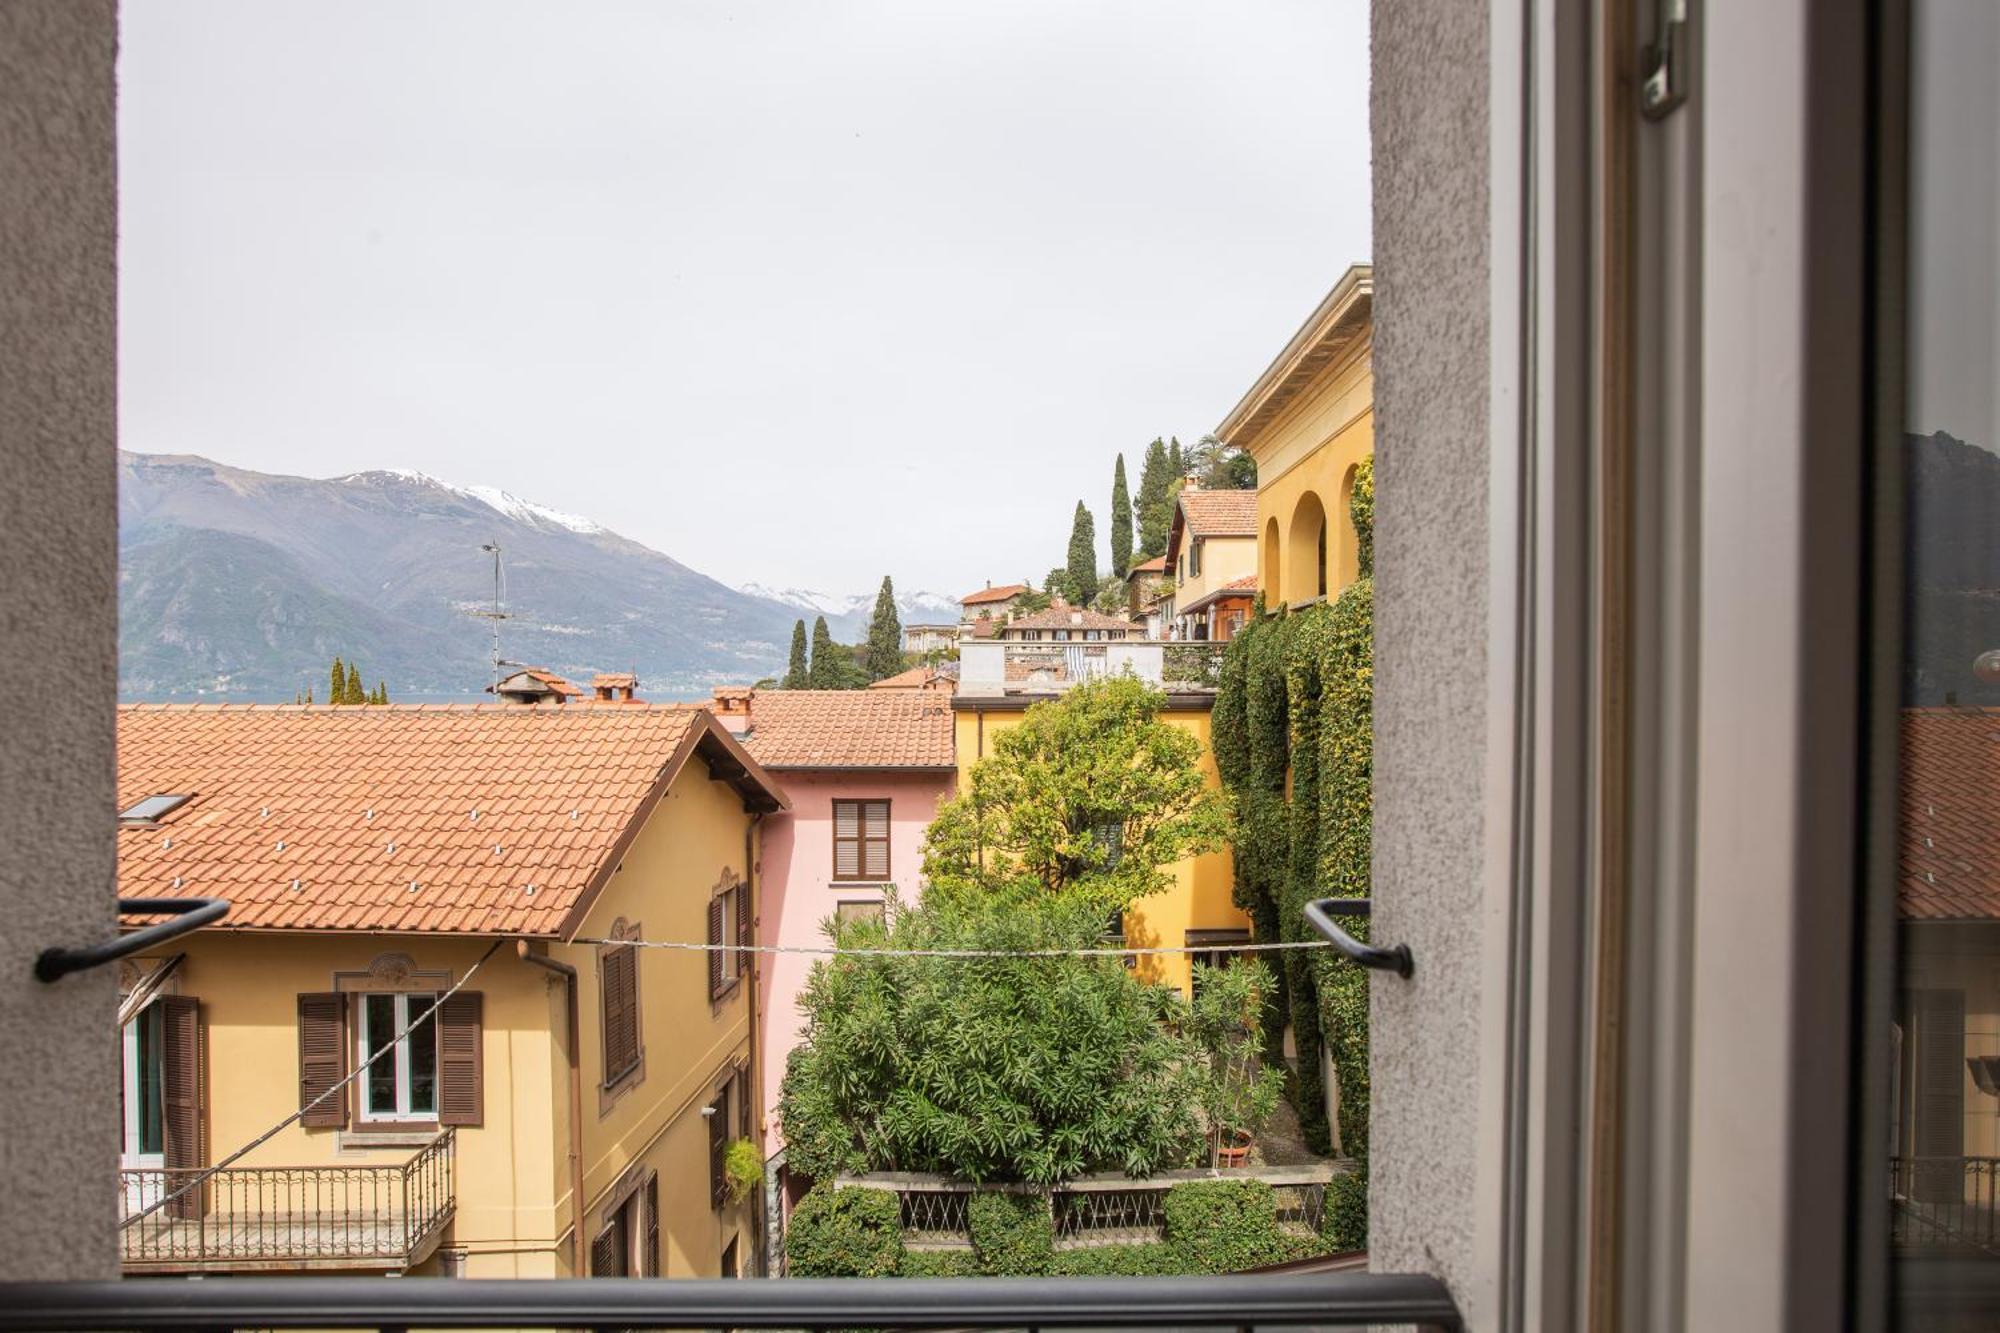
x=742 y=1168
x=1241 y=1090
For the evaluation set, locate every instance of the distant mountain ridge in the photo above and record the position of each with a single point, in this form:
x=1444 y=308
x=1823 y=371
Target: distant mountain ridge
x=241 y=585
x=847 y=615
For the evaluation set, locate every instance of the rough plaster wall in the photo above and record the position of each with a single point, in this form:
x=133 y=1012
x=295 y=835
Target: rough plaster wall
x=1428 y=117
x=58 y=628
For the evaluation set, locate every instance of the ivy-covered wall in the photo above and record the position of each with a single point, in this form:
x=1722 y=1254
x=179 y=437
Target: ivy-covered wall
x=1293 y=741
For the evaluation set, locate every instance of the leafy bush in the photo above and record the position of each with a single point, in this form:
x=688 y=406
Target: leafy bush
x=1223 y=1226
x=742 y=1168
x=1118 y=1261
x=1344 y=1223
x=845 y=1233
x=1012 y=1234
x=938 y=1263
x=1227 y=1019
x=1011 y=1068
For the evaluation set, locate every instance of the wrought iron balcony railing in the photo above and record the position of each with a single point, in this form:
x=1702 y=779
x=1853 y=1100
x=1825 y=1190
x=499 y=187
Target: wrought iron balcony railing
x=1322 y=1300
x=268 y=1218
x=1945 y=1204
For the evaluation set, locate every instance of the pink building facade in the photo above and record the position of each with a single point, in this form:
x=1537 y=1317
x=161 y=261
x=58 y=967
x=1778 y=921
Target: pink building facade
x=864 y=771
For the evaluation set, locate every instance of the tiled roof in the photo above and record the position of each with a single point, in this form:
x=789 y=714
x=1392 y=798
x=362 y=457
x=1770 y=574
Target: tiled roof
x=1157 y=565
x=1949 y=867
x=1220 y=513
x=983 y=628
x=614 y=680
x=916 y=678
x=999 y=594
x=1244 y=588
x=400 y=818
x=851 y=729
x=1064 y=617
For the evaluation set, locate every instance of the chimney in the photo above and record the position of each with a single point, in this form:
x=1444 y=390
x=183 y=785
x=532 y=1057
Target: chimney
x=1076 y=617
x=732 y=708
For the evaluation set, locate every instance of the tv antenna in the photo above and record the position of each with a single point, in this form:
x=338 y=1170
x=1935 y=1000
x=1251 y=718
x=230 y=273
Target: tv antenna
x=498 y=613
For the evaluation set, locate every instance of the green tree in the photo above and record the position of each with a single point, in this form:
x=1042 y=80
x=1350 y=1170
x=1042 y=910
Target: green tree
x=1121 y=522
x=336 y=689
x=1176 y=462
x=884 y=656
x=824 y=673
x=1057 y=583
x=1154 y=512
x=1111 y=596
x=1006 y=1068
x=1081 y=583
x=1091 y=797
x=798 y=675
x=355 y=695
x=1034 y=600
x=1216 y=466
x=381 y=691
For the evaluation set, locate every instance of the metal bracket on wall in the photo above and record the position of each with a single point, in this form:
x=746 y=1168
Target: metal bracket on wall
x=189 y=914
x=1319 y=915
x=1665 y=61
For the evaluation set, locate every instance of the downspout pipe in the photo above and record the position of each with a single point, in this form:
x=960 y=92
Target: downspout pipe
x=753 y=885
x=521 y=947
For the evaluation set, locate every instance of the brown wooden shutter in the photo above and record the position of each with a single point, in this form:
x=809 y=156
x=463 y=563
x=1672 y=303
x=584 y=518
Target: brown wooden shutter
x=743 y=928
x=323 y=1059
x=619 y=977
x=181 y=1078
x=875 y=840
x=847 y=840
x=605 y=1257
x=741 y=1091
x=718 y=1147
x=714 y=956
x=461 y=1060
x=653 y=1225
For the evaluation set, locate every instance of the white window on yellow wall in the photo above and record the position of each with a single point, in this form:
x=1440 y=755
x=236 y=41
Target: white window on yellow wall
x=401 y=1085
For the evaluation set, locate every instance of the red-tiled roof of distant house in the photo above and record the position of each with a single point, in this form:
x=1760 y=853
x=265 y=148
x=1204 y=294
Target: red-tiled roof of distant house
x=985 y=596
x=837 y=729
x=466 y=819
x=1220 y=513
x=1069 y=617
x=1949 y=863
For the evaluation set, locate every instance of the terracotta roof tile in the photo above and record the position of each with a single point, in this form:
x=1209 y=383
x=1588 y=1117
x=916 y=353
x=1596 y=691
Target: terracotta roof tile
x=1157 y=565
x=1949 y=864
x=851 y=729
x=999 y=594
x=1220 y=513
x=355 y=805
x=1063 y=617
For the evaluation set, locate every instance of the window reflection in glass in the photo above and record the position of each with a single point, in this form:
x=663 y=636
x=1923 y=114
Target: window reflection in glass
x=1944 y=1121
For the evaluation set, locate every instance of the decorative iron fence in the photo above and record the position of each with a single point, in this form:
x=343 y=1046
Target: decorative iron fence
x=1090 y=1210
x=1948 y=1203
x=275 y=1217
x=1193 y=663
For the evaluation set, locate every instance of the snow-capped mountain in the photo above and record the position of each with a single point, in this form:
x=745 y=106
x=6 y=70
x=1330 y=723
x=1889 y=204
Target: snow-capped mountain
x=847 y=614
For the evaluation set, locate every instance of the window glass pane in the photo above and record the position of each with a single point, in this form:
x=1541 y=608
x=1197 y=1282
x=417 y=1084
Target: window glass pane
x=378 y=1031
x=1943 y=1124
x=423 y=1054
x=151 y=1028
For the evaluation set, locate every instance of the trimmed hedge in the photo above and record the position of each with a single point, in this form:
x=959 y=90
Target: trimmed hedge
x=1223 y=1226
x=938 y=1263
x=845 y=1233
x=1012 y=1234
x=1344 y=1223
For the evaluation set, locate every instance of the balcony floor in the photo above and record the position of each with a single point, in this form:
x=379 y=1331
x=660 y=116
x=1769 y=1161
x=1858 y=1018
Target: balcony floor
x=218 y=1244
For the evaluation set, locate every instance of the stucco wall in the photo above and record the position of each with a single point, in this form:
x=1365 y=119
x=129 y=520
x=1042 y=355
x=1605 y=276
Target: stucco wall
x=58 y=587
x=1310 y=448
x=800 y=892
x=1429 y=121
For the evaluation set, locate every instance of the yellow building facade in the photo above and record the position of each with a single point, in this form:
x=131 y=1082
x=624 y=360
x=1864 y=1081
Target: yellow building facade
x=1197 y=910
x=564 y=1113
x=1309 y=421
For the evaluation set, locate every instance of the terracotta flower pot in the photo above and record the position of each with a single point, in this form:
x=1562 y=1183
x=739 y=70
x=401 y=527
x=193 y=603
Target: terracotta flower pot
x=1232 y=1149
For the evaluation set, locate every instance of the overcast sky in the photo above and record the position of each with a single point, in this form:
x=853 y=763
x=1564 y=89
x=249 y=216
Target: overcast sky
x=799 y=293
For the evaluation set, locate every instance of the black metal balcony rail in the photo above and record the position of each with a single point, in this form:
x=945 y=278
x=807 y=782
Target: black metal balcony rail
x=1323 y=1300
x=1945 y=1204
x=290 y=1217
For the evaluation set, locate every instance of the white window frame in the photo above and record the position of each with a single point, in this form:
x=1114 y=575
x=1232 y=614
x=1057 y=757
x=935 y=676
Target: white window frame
x=400 y=1060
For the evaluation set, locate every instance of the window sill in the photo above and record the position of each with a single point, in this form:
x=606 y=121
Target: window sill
x=728 y=991
x=398 y=1136
x=609 y=1093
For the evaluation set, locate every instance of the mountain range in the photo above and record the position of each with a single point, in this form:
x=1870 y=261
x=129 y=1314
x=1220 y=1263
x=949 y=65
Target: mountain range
x=243 y=586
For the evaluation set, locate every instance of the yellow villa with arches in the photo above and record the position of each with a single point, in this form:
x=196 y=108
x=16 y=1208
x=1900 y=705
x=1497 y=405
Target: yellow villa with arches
x=1309 y=420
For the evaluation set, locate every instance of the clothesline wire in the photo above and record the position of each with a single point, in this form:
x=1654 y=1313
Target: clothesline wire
x=836 y=951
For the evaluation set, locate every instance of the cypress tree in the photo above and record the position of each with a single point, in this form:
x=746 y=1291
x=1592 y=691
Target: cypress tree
x=1121 y=522
x=797 y=676
x=1177 y=463
x=824 y=674
x=381 y=691
x=1154 y=513
x=885 y=635
x=354 y=693
x=336 y=690
x=1082 y=557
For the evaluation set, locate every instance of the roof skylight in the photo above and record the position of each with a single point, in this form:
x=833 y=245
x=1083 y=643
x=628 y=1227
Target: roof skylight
x=153 y=808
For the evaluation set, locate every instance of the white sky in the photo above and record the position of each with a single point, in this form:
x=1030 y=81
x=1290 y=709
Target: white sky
x=799 y=293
